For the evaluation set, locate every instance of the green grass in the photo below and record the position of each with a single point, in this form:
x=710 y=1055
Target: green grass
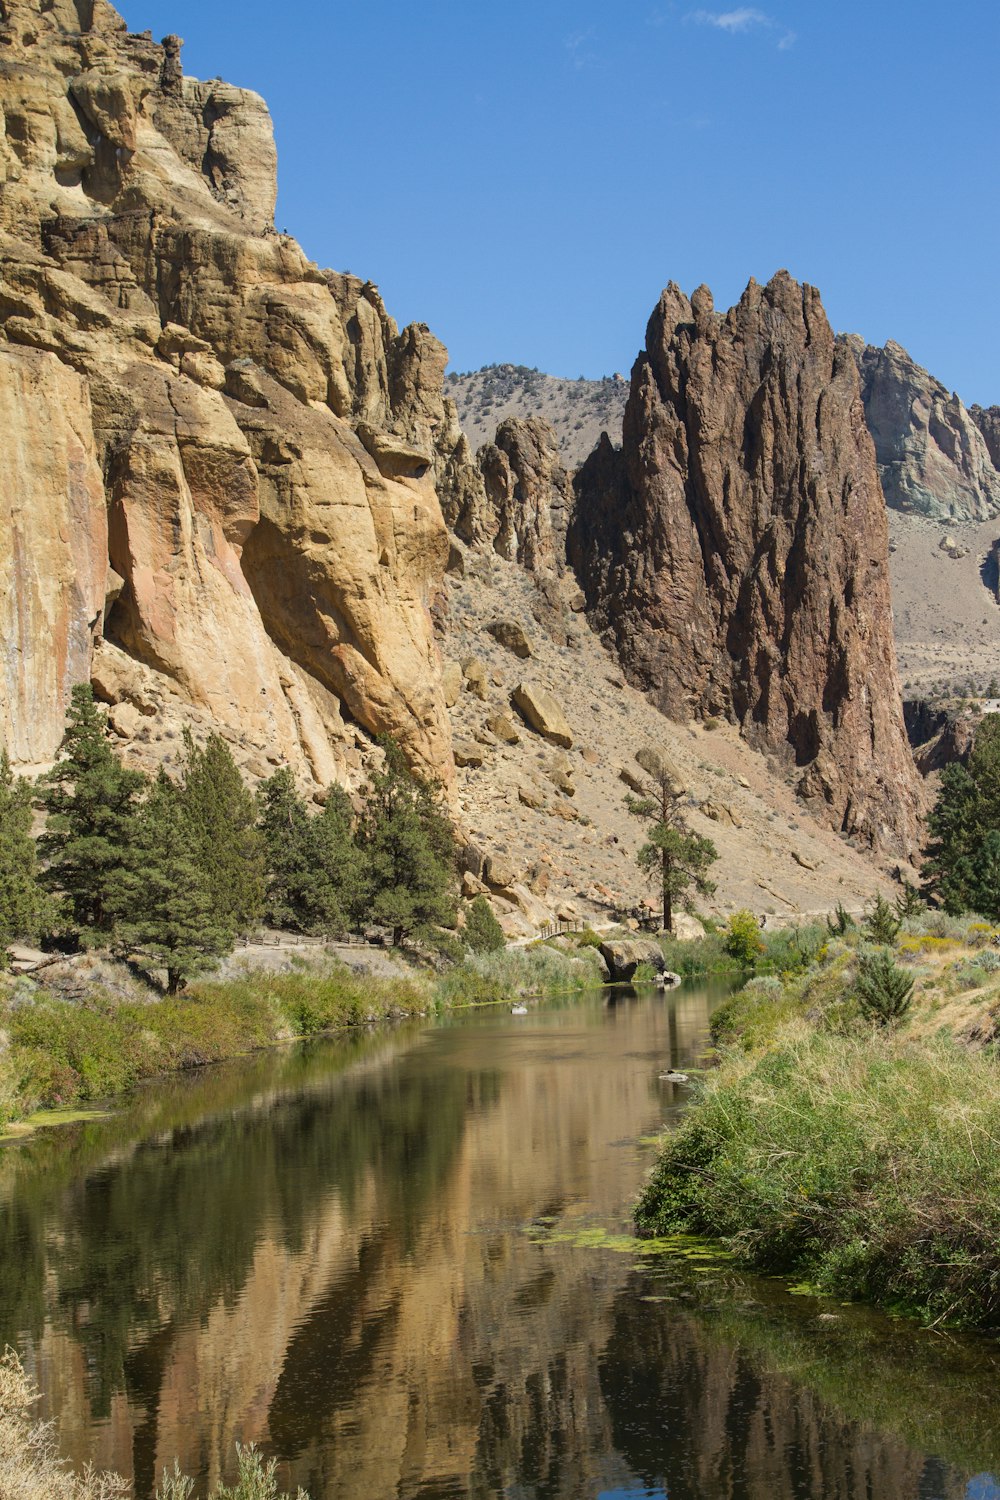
x=866 y=1165
x=56 y=1053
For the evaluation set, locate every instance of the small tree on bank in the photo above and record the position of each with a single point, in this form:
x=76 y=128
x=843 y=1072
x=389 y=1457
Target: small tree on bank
x=90 y=800
x=672 y=852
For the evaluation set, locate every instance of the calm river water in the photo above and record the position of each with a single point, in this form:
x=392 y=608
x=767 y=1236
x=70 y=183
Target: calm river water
x=396 y=1262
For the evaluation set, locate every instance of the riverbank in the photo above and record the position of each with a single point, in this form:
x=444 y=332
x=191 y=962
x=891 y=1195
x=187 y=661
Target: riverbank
x=69 y=1043
x=857 y=1158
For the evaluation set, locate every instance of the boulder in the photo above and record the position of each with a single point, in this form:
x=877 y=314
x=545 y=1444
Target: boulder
x=476 y=676
x=509 y=634
x=499 y=872
x=624 y=955
x=540 y=711
x=503 y=726
x=451 y=683
x=467 y=754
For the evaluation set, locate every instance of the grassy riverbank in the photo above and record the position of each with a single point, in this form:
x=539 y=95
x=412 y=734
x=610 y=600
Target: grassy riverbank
x=58 y=1051
x=863 y=1160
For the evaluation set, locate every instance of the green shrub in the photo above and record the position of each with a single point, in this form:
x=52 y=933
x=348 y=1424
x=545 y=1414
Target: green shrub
x=863 y=1164
x=483 y=932
x=841 y=922
x=742 y=938
x=588 y=938
x=884 y=990
x=880 y=924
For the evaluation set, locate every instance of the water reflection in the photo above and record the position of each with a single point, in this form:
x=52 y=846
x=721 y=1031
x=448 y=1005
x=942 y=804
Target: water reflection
x=324 y=1251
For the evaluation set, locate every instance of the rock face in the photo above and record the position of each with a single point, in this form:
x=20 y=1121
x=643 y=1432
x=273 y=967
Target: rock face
x=735 y=550
x=54 y=538
x=242 y=447
x=528 y=493
x=932 y=457
x=987 y=419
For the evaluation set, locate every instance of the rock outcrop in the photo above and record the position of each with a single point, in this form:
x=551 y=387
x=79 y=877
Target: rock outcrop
x=735 y=550
x=528 y=493
x=932 y=457
x=987 y=419
x=239 y=449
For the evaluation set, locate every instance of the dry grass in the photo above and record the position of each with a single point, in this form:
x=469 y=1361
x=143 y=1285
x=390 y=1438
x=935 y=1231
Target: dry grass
x=30 y=1467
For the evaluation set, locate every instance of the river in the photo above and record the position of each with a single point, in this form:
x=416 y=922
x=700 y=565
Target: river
x=398 y=1262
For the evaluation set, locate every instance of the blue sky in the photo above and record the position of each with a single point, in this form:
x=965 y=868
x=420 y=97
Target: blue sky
x=525 y=177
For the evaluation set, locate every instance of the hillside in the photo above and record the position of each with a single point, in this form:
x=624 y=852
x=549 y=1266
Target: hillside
x=578 y=411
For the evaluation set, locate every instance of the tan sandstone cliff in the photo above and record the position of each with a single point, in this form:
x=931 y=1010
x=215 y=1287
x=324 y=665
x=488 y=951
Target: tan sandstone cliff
x=219 y=493
x=735 y=550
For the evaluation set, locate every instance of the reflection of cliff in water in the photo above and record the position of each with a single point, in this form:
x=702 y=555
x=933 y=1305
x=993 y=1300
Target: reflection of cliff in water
x=760 y=1433
x=335 y=1265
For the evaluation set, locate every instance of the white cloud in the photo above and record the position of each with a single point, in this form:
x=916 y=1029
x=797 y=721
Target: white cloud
x=731 y=20
x=744 y=18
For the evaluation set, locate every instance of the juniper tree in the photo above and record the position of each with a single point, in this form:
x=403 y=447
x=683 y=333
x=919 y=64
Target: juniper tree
x=884 y=990
x=163 y=898
x=24 y=906
x=679 y=858
x=221 y=817
x=90 y=803
x=407 y=851
x=880 y=923
x=483 y=932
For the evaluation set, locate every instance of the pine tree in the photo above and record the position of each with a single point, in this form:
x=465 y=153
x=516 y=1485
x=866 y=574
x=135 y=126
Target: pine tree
x=880 y=923
x=679 y=857
x=333 y=890
x=956 y=823
x=407 y=851
x=90 y=801
x=24 y=906
x=226 y=844
x=284 y=827
x=163 y=899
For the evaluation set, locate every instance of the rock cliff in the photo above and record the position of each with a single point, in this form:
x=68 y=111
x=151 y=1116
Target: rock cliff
x=222 y=493
x=735 y=549
x=932 y=457
x=987 y=419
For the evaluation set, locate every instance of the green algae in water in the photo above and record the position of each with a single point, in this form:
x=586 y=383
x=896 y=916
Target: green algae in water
x=687 y=1247
x=46 y=1119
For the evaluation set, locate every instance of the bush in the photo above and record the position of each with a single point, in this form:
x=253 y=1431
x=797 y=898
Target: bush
x=884 y=991
x=483 y=932
x=864 y=1164
x=881 y=924
x=742 y=938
